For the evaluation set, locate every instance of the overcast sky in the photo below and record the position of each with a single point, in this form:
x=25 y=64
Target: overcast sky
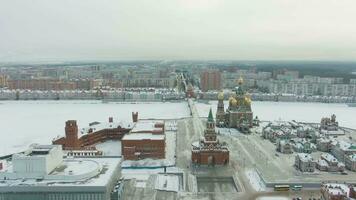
x=40 y=30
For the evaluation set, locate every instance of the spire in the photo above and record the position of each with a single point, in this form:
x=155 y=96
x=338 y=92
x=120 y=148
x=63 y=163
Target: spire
x=240 y=80
x=210 y=117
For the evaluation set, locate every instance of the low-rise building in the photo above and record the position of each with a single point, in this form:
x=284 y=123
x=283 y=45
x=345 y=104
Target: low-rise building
x=341 y=149
x=328 y=162
x=324 y=144
x=304 y=162
x=146 y=140
x=41 y=173
x=350 y=162
x=334 y=191
x=303 y=146
x=284 y=146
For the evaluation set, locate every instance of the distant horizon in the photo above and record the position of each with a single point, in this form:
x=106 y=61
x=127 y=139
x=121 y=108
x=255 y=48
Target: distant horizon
x=175 y=60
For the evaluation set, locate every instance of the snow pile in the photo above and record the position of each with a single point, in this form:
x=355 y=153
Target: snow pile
x=255 y=180
x=167 y=182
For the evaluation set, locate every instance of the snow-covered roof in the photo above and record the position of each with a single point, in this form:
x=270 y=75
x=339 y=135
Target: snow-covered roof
x=328 y=157
x=143 y=136
x=147 y=126
x=305 y=157
x=344 y=145
x=71 y=172
x=353 y=157
x=323 y=163
x=107 y=125
x=337 y=189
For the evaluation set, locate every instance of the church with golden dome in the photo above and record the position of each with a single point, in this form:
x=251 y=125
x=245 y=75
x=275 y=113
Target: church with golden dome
x=239 y=113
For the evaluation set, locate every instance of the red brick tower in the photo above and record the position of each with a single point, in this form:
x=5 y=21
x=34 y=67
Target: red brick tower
x=209 y=133
x=71 y=131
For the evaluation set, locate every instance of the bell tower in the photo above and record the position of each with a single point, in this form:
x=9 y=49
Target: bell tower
x=209 y=133
x=71 y=130
x=220 y=113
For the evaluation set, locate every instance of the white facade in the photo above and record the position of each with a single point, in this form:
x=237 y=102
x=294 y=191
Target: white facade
x=39 y=161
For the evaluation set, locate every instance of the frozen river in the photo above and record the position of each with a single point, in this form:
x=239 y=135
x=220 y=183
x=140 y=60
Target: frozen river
x=304 y=112
x=26 y=122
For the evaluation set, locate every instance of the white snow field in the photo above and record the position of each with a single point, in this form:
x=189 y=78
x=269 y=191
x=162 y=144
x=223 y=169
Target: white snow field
x=304 y=112
x=26 y=122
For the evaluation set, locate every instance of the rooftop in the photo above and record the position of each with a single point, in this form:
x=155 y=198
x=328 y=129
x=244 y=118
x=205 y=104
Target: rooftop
x=71 y=172
x=147 y=126
x=143 y=136
x=97 y=126
x=305 y=157
x=328 y=157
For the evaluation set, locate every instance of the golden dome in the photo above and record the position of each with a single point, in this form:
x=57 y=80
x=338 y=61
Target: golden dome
x=221 y=96
x=234 y=102
x=247 y=100
x=230 y=99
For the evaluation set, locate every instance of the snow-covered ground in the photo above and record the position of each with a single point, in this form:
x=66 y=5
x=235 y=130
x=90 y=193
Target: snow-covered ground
x=272 y=198
x=255 y=180
x=305 y=112
x=142 y=175
x=110 y=148
x=167 y=182
x=25 y=122
x=228 y=131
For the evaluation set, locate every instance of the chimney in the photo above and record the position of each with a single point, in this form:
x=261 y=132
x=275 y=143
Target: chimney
x=111 y=120
x=134 y=117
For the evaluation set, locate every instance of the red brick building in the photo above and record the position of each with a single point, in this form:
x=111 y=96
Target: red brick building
x=146 y=140
x=334 y=191
x=95 y=133
x=210 y=80
x=210 y=151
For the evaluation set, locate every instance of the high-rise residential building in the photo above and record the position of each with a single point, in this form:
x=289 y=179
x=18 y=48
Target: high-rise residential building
x=210 y=80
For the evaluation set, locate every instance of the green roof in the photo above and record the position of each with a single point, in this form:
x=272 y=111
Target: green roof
x=210 y=117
